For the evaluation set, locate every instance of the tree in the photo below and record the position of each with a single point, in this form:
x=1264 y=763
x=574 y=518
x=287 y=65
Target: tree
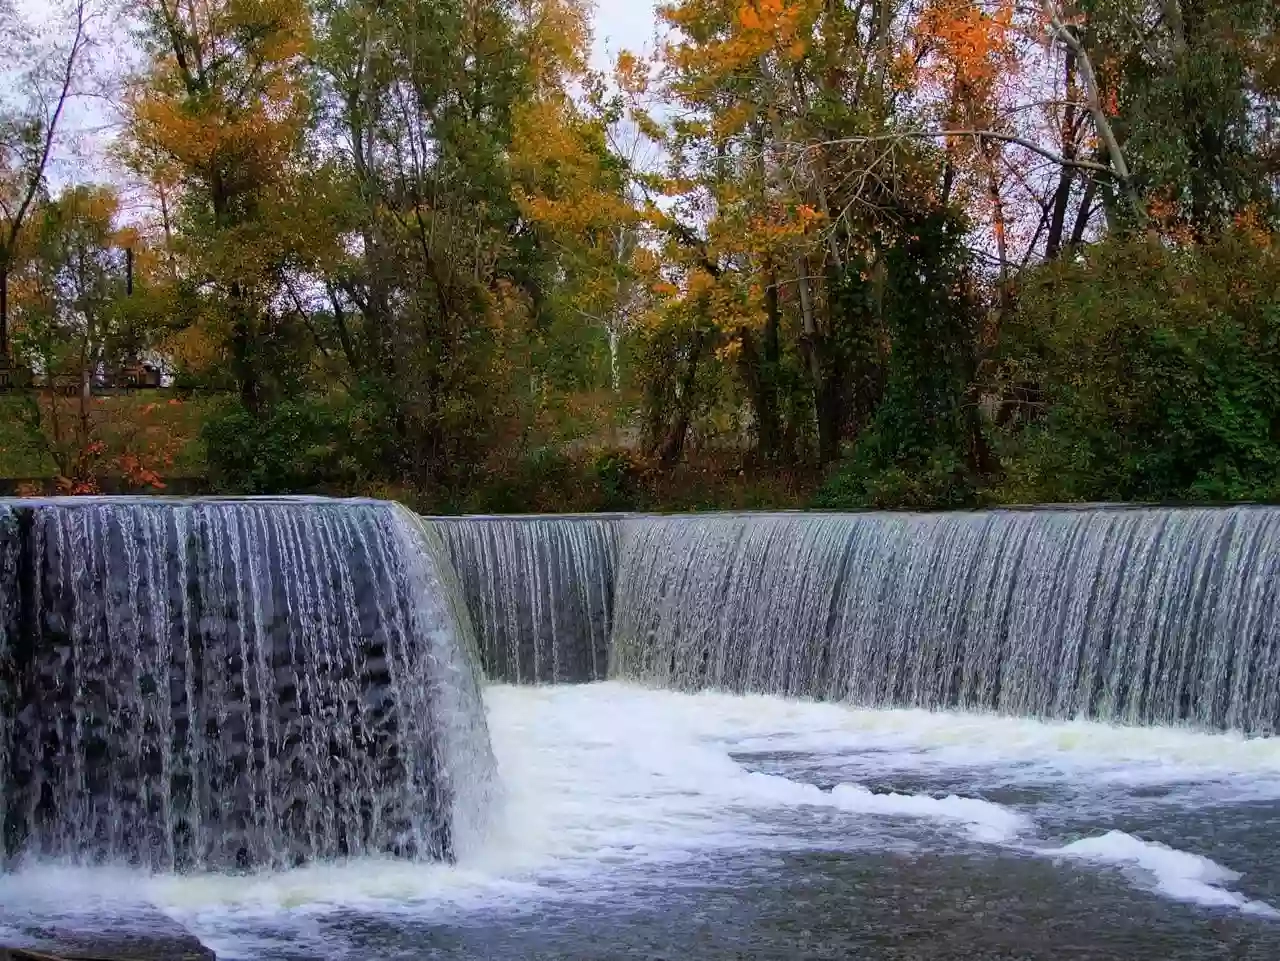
x=29 y=130
x=224 y=101
x=1191 y=84
x=581 y=178
x=77 y=326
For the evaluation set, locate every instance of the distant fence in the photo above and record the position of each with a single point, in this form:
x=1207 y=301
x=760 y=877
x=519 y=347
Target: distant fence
x=126 y=380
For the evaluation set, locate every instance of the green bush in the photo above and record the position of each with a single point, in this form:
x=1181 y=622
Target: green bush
x=937 y=481
x=1160 y=369
x=526 y=485
x=300 y=446
x=618 y=476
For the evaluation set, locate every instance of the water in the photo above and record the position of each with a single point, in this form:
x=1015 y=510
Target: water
x=540 y=591
x=213 y=685
x=641 y=824
x=985 y=735
x=1135 y=616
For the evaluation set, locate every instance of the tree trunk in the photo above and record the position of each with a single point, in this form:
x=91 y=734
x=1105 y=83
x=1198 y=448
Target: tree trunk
x=829 y=419
x=672 y=449
x=4 y=315
x=760 y=370
x=999 y=227
x=615 y=368
x=1082 y=215
x=1066 y=176
x=244 y=363
x=758 y=377
x=1058 y=217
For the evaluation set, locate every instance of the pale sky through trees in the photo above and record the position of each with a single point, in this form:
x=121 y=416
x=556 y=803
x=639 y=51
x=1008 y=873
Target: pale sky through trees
x=622 y=24
x=618 y=25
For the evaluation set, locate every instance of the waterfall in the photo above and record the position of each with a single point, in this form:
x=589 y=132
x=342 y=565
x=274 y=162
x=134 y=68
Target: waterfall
x=540 y=592
x=1139 y=616
x=214 y=684
x=9 y=614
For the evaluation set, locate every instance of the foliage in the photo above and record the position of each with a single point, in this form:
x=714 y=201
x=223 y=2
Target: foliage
x=1186 y=91
x=919 y=450
x=1161 y=372
x=918 y=255
x=296 y=446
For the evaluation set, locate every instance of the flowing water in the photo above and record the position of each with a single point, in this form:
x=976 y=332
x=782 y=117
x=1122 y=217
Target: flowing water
x=1137 y=616
x=221 y=684
x=540 y=591
x=990 y=735
x=644 y=824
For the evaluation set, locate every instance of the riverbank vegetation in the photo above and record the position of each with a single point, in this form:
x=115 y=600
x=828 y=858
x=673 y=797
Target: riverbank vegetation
x=834 y=253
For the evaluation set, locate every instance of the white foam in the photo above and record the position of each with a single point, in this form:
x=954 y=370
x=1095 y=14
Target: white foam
x=930 y=740
x=1180 y=875
x=984 y=820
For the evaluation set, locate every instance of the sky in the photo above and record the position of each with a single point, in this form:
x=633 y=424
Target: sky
x=621 y=24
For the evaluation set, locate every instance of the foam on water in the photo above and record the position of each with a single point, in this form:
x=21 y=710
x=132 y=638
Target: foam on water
x=603 y=782
x=1177 y=874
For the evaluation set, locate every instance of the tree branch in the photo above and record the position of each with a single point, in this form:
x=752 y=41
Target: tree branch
x=36 y=174
x=978 y=135
x=1068 y=38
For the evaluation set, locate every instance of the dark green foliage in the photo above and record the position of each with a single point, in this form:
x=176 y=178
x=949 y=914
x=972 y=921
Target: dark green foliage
x=294 y=447
x=917 y=451
x=1161 y=375
x=618 y=476
x=1188 y=99
x=524 y=485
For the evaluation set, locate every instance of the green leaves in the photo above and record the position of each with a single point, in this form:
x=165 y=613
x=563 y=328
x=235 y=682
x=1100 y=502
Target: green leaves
x=1161 y=371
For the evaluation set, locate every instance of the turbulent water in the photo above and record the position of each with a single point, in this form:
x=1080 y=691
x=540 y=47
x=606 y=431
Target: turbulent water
x=1137 y=616
x=540 y=591
x=232 y=684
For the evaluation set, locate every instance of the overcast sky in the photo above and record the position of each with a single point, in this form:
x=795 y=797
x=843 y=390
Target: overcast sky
x=622 y=24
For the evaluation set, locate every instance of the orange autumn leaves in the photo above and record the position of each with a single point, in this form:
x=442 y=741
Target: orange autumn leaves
x=971 y=43
x=719 y=37
x=230 y=110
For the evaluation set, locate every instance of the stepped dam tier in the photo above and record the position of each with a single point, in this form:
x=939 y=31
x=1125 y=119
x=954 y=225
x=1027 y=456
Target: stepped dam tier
x=1132 y=615
x=540 y=593
x=232 y=684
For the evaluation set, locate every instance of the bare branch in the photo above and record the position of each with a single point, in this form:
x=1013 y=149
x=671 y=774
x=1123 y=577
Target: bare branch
x=978 y=135
x=35 y=175
x=1068 y=38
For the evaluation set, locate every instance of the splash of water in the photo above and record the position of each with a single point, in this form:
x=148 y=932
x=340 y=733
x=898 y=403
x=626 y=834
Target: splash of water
x=540 y=591
x=232 y=684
